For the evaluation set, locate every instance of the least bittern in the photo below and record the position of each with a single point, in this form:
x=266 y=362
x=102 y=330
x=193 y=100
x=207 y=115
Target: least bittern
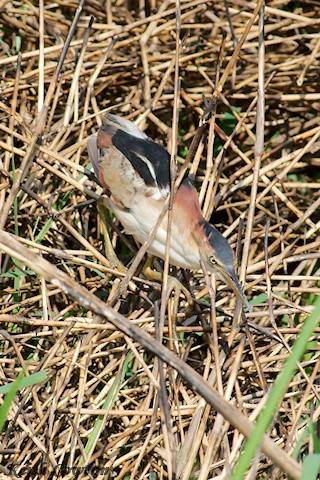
x=135 y=171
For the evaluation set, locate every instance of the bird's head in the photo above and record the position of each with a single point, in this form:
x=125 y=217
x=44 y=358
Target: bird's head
x=218 y=258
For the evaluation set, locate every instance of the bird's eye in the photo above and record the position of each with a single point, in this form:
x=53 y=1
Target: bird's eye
x=212 y=261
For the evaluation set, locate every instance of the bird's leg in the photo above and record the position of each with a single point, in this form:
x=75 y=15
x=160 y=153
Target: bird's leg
x=173 y=284
x=110 y=253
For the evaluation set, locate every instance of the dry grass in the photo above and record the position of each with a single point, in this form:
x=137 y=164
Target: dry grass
x=101 y=405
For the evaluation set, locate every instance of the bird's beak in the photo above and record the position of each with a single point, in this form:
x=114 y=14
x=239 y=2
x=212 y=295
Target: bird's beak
x=230 y=277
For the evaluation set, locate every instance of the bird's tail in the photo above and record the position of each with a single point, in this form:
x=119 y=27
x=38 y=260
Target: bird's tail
x=124 y=125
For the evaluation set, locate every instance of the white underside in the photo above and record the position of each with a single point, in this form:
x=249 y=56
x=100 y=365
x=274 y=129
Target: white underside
x=139 y=221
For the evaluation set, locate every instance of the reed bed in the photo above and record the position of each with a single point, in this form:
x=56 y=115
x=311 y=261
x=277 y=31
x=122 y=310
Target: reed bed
x=109 y=406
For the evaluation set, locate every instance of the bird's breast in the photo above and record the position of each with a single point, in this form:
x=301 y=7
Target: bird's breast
x=138 y=207
x=139 y=220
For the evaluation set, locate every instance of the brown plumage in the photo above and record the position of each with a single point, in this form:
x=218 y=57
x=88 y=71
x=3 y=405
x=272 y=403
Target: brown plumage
x=135 y=171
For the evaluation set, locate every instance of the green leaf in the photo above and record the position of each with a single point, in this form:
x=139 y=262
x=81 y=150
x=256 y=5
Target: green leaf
x=315 y=438
x=12 y=388
x=24 y=382
x=43 y=232
x=276 y=394
x=258 y=299
x=18 y=43
x=311 y=467
x=107 y=405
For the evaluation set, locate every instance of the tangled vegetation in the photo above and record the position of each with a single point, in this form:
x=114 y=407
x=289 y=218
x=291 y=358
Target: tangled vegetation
x=107 y=405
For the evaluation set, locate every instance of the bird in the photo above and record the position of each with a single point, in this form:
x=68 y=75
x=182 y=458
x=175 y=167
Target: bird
x=134 y=170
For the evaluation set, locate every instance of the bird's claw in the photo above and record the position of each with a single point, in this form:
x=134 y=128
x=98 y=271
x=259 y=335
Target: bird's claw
x=173 y=285
x=176 y=287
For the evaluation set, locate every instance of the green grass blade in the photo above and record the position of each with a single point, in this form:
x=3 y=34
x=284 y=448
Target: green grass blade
x=108 y=403
x=12 y=389
x=311 y=467
x=4 y=409
x=24 y=382
x=43 y=232
x=276 y=393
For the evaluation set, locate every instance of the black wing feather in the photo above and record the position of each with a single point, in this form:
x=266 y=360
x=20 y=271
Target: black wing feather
x=133 y=147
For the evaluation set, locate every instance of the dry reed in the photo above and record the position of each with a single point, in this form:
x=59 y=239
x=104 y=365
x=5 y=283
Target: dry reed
x=102 y=406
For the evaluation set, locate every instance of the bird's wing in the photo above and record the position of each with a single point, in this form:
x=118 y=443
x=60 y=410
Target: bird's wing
x=149 y=159
x=93 y=152
x=142 y=156
x=127 y=162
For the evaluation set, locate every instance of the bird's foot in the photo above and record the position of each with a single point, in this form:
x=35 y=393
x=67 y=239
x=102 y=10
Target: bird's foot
x=173 y=285
x=176 y=288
